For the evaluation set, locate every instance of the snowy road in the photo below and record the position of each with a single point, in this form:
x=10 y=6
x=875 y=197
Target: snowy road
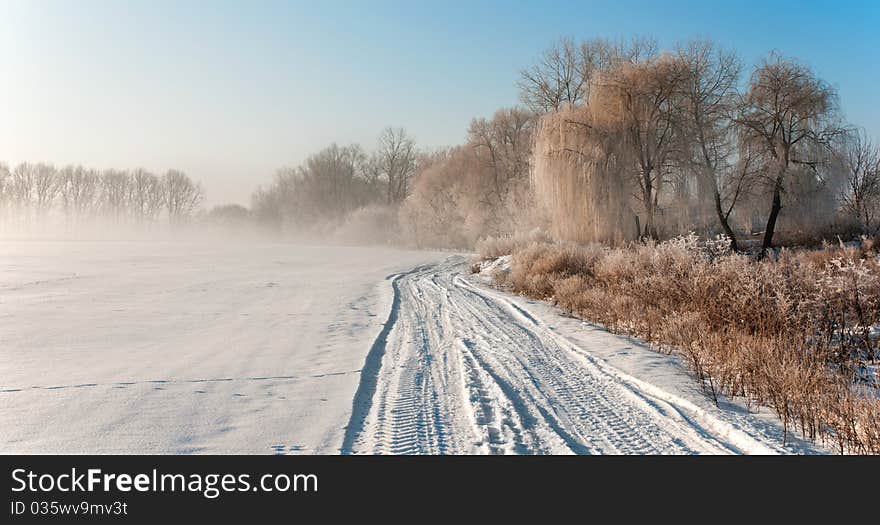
x=463 y=369
x=264 y=348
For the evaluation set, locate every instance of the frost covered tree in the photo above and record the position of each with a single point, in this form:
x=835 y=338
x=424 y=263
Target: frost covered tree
x=505 y=140
x=861 y=198
x=638 y=104
x=557 y=80
x=564 y=74
x=708 y=90
x=790 y=116
x=329 y=185
x=477 y=189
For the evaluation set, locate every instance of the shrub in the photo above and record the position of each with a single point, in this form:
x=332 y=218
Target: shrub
x=795 y=333
x=492 y=247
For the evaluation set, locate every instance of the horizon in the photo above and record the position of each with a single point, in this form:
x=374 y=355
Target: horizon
x=230 y=93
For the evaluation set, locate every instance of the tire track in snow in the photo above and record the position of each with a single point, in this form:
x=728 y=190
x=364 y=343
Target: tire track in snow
x=496 y=419
x=698 y=423
x=369 y=373
x=458 y=369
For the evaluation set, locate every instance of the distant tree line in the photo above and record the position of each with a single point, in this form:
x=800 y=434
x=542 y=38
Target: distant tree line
x=616 y=141
x=338 y=180
x=449 y=197
x=477 y=189
x=34 y=192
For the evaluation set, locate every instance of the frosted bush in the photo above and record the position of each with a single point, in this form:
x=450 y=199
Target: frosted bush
x=790 y=333
x=718 y=247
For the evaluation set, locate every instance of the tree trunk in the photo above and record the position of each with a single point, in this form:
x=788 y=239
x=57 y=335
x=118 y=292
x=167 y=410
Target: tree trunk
x=719 y=210
x=771 y=220
x=650 y=228
x=648 y=197
x=724 y=223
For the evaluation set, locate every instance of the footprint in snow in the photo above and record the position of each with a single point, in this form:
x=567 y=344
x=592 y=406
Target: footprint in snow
x=283 y=450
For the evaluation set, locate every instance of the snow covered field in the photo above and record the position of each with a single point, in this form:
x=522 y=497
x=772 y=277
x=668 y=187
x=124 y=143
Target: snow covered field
x=196 y=347
x=181 y=347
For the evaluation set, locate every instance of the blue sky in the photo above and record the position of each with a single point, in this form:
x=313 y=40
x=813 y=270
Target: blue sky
x=229 y=91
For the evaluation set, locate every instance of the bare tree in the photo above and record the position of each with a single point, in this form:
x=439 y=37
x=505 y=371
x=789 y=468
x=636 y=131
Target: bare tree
x=331 y=184
x=45 y=187
x=791 y=115
x=79 y=190
x=181 y=195
x=395 y=163
x=506 y=140
x=565 y=72
x=115 y=191
x=481 y=188
x=34 y=189
x=448 y=207
x=556 y=80
x=5 y=180
x=639 y=104
x=147 y=195
x=708 y=90
x=267 y=206
x=22 y=188
x=66 y=176
x=861 y=199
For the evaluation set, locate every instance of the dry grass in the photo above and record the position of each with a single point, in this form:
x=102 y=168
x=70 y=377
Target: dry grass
x=491 y=247
x=793 y=334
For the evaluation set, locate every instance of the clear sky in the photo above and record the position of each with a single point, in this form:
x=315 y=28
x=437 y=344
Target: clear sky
x=231 y=90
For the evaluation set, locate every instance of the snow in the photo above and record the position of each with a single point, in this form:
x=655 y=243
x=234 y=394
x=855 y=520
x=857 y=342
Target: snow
x=749 y=429
x=469 y=370
x=206 y=347
x=185 y=347
x=490 y=268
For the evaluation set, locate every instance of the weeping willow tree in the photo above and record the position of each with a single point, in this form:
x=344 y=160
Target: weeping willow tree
x=620 y=166
x=599 y=163
x=579 y=181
